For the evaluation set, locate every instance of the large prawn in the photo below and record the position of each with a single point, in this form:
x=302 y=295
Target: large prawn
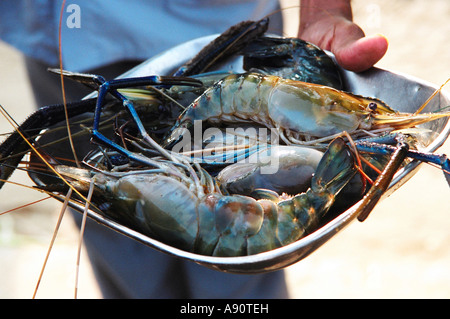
x=171 y=206
x=302 y=113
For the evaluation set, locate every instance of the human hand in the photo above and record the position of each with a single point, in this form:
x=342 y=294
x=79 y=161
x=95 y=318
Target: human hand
x=328 y=24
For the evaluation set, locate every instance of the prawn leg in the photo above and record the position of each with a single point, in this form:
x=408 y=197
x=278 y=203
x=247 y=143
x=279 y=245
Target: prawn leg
x=437 y=159
x=398 y=154
x=381 y=184
x=112 y=88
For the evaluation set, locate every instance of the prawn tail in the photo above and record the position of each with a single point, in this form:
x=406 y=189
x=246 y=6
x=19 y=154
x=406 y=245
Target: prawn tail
x=335 y=169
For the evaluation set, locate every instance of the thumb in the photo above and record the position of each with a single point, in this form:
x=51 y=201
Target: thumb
x=346 y=40
x=353 y=50
x=359 y=54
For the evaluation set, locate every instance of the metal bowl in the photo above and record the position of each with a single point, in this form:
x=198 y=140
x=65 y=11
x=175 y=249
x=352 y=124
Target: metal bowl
x=402 y=92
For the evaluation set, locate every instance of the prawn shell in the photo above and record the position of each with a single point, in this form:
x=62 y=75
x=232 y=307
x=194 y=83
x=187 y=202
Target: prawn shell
x=237 y=218
x=164 y=207
x=291 y=107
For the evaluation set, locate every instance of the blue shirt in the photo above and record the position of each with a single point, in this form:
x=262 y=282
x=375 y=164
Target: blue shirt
x=98 y=32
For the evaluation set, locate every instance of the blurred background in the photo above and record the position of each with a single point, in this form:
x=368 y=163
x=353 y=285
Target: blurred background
x=400 y=251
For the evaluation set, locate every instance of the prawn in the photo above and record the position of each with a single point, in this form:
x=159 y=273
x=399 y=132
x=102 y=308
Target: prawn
x=170 y=205
x=302 y=113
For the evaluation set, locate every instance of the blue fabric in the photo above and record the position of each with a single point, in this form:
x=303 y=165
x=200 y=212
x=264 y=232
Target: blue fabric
x=125 y=268
x=116 y=30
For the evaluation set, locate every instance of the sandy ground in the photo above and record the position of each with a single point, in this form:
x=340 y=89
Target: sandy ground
x=401 y=251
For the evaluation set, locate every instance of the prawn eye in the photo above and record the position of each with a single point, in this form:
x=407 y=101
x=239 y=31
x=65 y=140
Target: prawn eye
x=373 y=106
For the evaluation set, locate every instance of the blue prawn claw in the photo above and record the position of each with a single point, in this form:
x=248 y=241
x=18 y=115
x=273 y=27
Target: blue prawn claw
x=446 y=169
x=91 y=81
x=229 y=42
